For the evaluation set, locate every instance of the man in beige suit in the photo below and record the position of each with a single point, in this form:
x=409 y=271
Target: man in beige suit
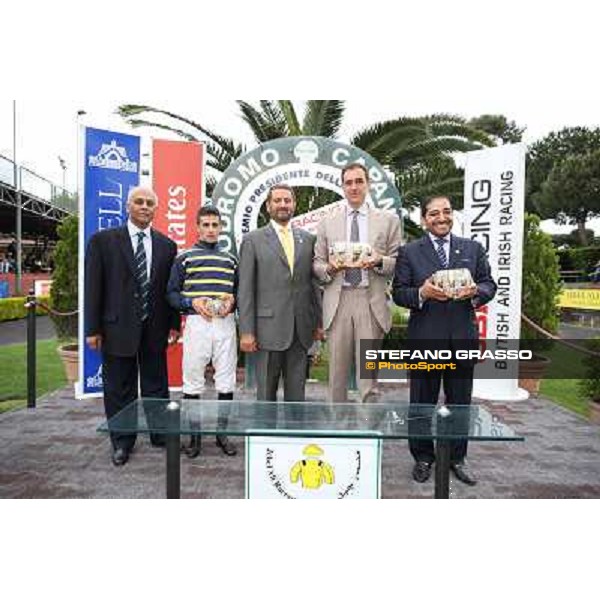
x=355 y=304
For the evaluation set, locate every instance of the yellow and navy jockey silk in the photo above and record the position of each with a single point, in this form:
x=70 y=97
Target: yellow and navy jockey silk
x=202 y=271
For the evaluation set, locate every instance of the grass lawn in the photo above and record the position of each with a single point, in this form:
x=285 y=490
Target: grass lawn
x=320 y=371
x=567 y=368
x=565 y=392
x=13 y=373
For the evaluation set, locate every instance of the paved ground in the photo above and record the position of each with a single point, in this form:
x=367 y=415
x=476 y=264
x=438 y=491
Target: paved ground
x=575 y=332
x=54 y=452
x=15 y=332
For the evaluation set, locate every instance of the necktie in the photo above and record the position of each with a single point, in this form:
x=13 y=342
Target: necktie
x=353 y=276
x=141 y=273
x=441 y=252
x=288 y=247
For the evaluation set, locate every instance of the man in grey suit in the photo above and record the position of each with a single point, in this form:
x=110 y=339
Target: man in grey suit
x=278 y=299
x=355 y=303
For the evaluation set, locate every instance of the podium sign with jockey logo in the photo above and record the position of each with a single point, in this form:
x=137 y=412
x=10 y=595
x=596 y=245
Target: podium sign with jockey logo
x=286 y=468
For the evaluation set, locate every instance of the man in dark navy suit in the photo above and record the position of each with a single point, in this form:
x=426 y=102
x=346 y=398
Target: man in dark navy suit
x=127 y=316
x=448 y=322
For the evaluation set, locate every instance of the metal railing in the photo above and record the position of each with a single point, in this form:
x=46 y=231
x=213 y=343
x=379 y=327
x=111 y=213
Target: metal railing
x=7 y=171
x=31 y=183
x=574 y=276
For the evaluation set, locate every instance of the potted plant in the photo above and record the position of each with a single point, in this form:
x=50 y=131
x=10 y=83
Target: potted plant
x=398 y=330
x=63 y=294
x=541 y=286
x=590 y=386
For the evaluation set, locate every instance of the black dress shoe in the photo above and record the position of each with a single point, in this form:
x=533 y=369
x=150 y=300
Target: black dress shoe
x=421 y=471
x=462 y=474
x=119 y=457
x=194 y=447
x=225 y=445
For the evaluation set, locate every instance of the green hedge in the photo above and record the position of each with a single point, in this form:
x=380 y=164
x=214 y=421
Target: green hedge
x=14 y=308
x=582 y=259
x=590 y=386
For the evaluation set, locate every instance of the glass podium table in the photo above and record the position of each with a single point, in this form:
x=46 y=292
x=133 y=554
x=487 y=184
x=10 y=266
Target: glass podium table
x=243 y=418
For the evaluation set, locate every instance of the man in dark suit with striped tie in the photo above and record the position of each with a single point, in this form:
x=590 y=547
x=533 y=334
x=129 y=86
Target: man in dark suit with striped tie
x=127 y=316
x=449 y=323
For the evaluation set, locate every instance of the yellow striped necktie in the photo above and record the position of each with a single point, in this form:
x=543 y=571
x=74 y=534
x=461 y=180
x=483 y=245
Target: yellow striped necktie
x=288 y=246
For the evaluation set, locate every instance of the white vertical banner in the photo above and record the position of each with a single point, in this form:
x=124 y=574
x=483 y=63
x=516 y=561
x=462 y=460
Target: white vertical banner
x=494 y=210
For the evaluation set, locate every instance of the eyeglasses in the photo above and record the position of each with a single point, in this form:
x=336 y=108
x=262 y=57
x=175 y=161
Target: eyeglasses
x=150 y=202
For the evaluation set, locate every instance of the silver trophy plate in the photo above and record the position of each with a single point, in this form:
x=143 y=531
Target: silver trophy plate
x=452 y=280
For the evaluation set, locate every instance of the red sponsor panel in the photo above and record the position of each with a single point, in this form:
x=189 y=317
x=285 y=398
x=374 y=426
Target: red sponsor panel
x=482 y=327
x=482 y=321
x=178 y=179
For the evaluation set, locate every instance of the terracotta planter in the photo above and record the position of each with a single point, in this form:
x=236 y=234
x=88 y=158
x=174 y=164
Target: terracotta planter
x=595 y=411
x=531 y=373
x=69 y=354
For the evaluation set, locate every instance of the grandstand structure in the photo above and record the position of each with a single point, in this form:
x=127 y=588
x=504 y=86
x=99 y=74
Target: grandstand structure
x=44 y=204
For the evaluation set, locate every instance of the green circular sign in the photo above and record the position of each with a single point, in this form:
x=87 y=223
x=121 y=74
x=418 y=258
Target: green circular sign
x=297 y=162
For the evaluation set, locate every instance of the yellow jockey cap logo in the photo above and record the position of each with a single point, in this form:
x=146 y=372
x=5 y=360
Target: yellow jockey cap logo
x=312 y=471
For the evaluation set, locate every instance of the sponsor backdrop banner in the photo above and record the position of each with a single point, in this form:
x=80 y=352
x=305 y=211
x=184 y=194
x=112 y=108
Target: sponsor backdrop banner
x=297 y=162
x=585 y=298
x=178 y=179
x=494 y=216
x=309 y=221
x=110 y=170
x=312 y=469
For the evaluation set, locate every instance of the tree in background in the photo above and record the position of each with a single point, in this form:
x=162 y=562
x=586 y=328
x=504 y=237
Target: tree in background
x=63 y=293
x=572 y=239
x=541 y=282
x=499 y=127
x=546 y=154
x=571 y=191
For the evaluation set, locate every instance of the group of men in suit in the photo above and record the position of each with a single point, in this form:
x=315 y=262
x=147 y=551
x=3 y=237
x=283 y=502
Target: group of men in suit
x=289 y=293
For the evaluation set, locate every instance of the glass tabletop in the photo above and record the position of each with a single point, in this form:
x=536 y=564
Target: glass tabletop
x=382 y=420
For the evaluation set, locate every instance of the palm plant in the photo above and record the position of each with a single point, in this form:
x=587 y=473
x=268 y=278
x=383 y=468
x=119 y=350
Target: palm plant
x=221 y=151
x=419 y=151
